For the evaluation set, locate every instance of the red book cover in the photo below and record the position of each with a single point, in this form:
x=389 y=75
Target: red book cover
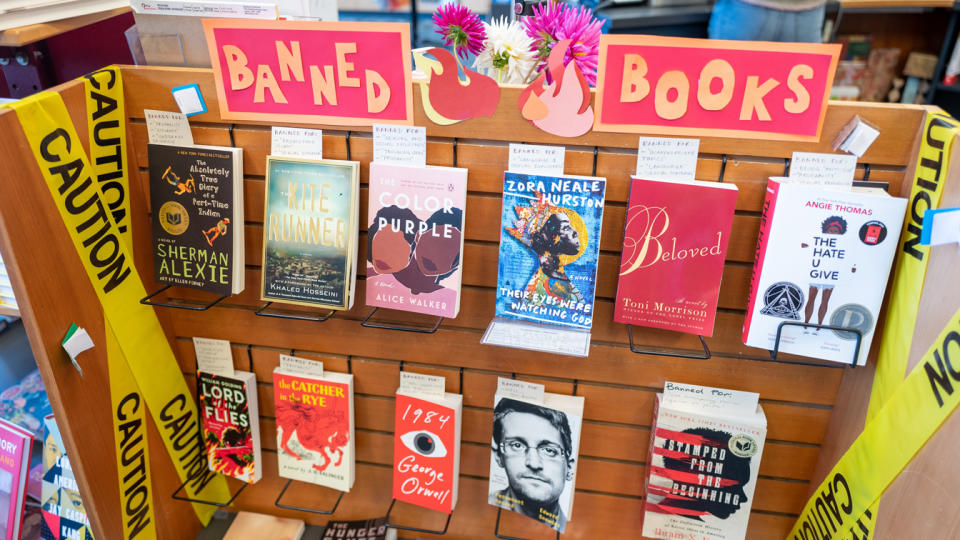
x=230 y=429
x=426 y=451
x=674 y=244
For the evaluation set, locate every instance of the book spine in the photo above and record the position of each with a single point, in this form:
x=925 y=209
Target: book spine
x=766 y=222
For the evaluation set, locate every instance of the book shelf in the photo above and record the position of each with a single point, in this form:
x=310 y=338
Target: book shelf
x=619 y=386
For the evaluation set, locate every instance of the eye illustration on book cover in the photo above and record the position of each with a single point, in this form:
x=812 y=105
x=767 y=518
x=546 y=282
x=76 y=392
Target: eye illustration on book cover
x=549 y=248
x=226 y=426
x=415 y=238
x=424 y=452
x=704 y=472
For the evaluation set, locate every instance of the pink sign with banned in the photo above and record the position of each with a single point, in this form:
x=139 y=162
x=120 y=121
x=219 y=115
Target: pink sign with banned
x=337 y=73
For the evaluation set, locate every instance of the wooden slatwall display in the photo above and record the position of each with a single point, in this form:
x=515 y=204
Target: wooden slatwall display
x=619 y=386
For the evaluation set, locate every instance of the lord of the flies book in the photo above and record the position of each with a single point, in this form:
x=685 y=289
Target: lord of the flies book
x=674 y=242
x=549 y=248
x=415 y=238
x=310 y=232
x=196 y=196
x=231 y=427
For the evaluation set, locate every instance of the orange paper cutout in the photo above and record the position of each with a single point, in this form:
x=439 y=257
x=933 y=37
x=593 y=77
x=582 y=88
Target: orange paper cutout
x=561 y=107
x=447 y=99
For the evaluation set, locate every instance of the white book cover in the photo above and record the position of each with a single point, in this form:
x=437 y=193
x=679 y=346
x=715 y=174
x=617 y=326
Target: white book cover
x=315 y=427
x=823 y=258
x=533 y=463
x=704 y=458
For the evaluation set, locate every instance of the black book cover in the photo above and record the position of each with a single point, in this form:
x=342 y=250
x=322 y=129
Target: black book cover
x=191 y=195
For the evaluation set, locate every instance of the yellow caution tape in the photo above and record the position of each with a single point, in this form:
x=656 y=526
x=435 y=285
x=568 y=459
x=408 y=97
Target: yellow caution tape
x=96 y=215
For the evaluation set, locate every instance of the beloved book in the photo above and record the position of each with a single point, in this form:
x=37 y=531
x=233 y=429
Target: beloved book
x=315 y=429
x=823 y=257
x=231 y=427
x=196 y=193
x=249 y=525
x=15 y=446
x=64 y=516
x=703 y=461
x=415 y=238
x=533 y=464
x=361 y=529
x=310 y=232
x=426 y=450
x=549 y=248
x=674 y=244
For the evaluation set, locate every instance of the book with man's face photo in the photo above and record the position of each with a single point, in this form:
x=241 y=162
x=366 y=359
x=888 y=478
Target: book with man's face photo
x=534 y=451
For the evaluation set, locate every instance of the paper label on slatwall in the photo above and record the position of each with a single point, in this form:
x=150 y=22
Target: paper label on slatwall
x=524 y=390
x=168 y=127
x=301 y=366
x=213 y=356
x=536 y=159
x=537 y=337
x=297 y=143
x=423 y=385
x=707 y=398
x=831 y=170
x=663 y=158
x=400 y=145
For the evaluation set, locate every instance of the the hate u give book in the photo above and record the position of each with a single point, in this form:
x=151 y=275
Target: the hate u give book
x=674 y=244
x=415 y=238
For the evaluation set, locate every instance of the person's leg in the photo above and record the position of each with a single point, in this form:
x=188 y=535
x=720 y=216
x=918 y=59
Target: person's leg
x=811 y=298
x=734 y=19
x=824 y=304
x=803 y=26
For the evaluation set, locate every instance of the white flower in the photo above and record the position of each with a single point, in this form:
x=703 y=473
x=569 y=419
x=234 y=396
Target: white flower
x=506 y=54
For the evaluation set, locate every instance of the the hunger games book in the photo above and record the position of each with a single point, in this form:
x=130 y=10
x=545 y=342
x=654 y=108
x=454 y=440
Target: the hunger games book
x=315 y=429
x=231 y=427
x=310 y=232
x=549 y=248
x=823 y=257
x=426 y=450
x=415 y=238
x=196 y=196
x=674 y=244
x=704 y=457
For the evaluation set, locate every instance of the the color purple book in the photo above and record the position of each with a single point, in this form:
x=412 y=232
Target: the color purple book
x=415 y=238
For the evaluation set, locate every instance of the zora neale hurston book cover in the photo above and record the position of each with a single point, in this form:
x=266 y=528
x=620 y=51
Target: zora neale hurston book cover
x=310 y=232
x=231 y=430
x=549 y=247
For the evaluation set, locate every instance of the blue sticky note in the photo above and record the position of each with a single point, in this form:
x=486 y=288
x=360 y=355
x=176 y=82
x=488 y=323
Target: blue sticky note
x=189 y=99
x=926 y=233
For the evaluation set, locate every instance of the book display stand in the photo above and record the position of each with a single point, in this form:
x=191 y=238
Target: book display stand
x=799 y=398
x=180 y=304
x=416 y=529
x=366 y=323
x=262 y=311
x=496 y=530
x=858 y=335
x=661 y=352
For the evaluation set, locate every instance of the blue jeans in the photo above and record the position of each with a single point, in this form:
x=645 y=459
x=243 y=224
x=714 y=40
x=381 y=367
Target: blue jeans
x=734 y=19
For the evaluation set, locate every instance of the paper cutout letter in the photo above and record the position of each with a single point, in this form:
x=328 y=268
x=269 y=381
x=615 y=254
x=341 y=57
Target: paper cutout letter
x=562 y=106
x=446 y=98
